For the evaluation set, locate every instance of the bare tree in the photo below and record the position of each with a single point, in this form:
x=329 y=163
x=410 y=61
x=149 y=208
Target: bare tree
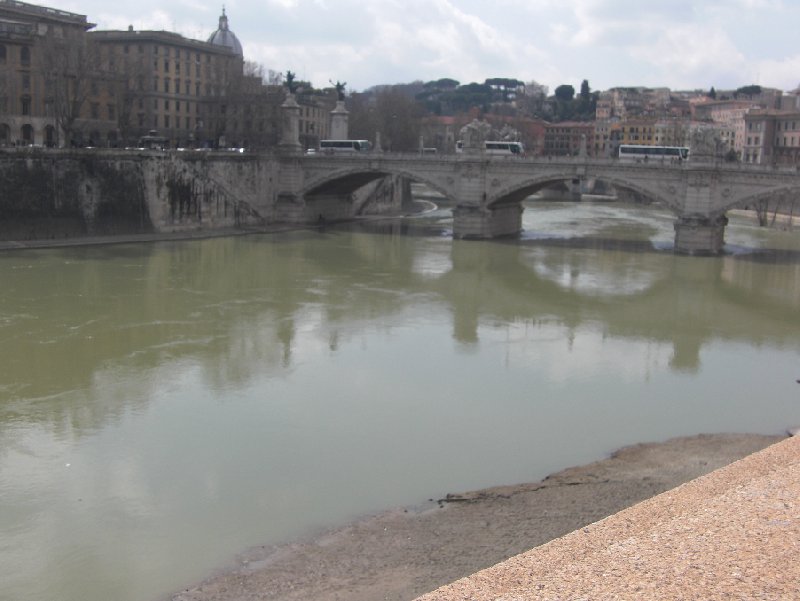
x=68 y=65
x=254 y=69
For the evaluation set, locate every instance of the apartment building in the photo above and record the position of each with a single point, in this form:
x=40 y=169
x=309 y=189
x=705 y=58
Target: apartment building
x=33 y=97
x=158 y=80
x=568 y=137
x=728 y=115
x=62 y=84
x=772 y=137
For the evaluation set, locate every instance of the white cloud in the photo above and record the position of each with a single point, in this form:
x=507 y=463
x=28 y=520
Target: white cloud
x=682 y=43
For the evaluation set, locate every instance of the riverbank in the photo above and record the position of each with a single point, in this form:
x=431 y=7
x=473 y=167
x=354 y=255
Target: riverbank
x=401 y=554
x=178 y=235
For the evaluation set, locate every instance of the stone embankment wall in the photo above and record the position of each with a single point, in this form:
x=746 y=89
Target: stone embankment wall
x=49 y=194
x=44 y=195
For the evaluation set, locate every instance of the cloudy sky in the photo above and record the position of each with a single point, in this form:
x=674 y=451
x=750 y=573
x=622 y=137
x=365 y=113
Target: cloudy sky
x=681 y=44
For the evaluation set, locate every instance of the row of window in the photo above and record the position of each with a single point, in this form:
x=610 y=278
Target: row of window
x=169 y=121
x=176 y=52
x=211 y=90
x=24 y=55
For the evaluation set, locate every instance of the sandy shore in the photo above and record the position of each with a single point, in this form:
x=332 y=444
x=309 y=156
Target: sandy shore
x=404 y=553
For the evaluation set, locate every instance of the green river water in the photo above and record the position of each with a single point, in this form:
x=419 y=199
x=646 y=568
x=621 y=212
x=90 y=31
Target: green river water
x=165 y=406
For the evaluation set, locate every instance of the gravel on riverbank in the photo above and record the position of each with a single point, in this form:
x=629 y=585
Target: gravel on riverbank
x=401 y=554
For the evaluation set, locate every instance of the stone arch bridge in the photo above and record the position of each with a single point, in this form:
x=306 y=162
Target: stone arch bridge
x=487 y=191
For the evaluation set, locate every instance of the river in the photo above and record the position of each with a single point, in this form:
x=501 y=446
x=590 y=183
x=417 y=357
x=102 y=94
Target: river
x=165 y=406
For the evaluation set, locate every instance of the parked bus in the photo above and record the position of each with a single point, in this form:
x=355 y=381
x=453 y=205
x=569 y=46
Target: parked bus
x=497 y=147
x=330 y=146
x=642 y=152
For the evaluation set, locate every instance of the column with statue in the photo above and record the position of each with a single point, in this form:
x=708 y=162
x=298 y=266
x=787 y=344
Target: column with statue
x=290 y=119
x=340 y=116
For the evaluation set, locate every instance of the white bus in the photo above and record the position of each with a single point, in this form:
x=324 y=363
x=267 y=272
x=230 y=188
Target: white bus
x=497 y=147
x=642 y=152
x=330 y=146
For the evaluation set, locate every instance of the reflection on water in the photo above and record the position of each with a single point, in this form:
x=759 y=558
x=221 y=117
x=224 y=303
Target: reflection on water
x=164 y=406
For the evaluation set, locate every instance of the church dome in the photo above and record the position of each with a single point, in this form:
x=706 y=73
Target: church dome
x=225 y=37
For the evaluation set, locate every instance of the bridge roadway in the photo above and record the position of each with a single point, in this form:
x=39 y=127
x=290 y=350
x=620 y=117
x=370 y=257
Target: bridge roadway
x=487 y=191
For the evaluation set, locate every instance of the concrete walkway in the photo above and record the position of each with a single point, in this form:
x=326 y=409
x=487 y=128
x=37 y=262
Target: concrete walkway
x=732 y=534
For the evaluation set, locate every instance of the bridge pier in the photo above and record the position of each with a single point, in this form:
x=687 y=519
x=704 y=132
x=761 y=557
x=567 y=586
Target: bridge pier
x=479 y=223
x=700 y=235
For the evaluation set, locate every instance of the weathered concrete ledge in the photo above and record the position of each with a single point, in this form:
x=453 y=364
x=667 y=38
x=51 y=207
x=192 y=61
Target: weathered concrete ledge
x=732 y=534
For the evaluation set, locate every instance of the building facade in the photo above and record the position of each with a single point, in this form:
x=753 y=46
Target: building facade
x=568 y=138
x=772 y=137
x=164 y=82
x=62 y=84
x=33 y=94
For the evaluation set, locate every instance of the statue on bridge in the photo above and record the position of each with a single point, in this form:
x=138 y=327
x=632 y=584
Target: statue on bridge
x=705 y=144
x=339 y=89
x=290 y=82
x=473 y=135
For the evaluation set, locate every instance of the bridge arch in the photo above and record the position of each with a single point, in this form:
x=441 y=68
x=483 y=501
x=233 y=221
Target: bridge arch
x=348 y=180
x=749 y=198
x=516 y=192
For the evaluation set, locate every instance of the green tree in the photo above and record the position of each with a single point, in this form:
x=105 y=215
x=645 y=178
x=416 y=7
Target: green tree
x=750 y=90
x=565 y=93
x=585 y=94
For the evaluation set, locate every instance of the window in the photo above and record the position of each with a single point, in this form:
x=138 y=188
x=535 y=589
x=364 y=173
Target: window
x=2 y=54
x=166 y=105
x=141 y=49
x=155 y=50
x=26 y=81
x=95 y=110
x=112 y=112
x=25 y=101
x=126 y=49
x=25 y=55
x=166 y=66
x=155 y=84
x=188 y=123
x=166 y=85
x=177 y=106
x=166 y=121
